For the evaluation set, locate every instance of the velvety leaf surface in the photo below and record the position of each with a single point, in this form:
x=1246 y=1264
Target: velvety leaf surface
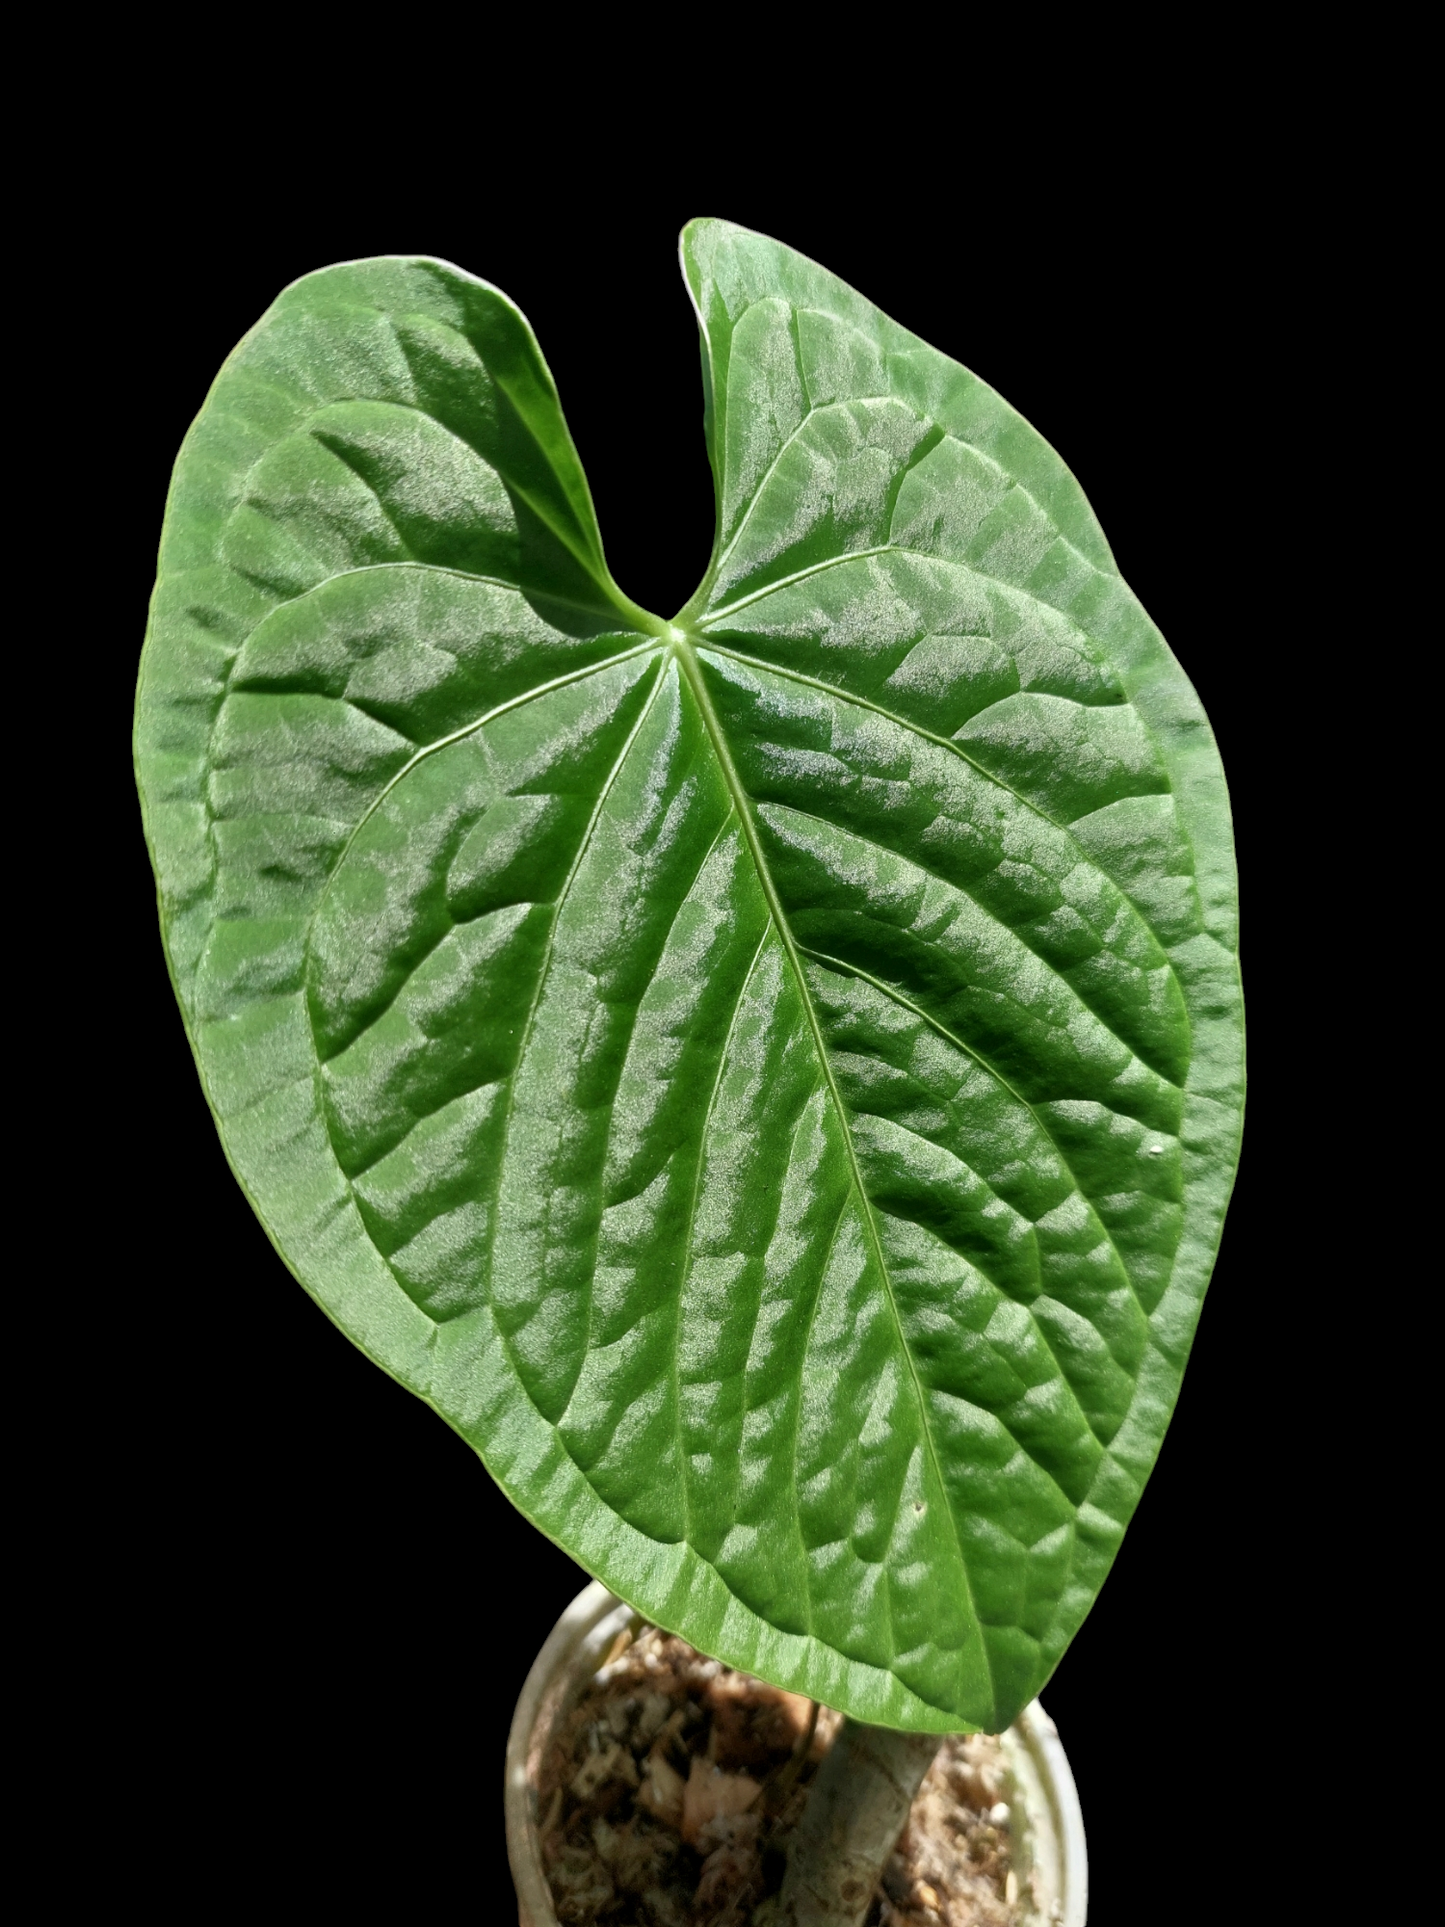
x=771 y=1080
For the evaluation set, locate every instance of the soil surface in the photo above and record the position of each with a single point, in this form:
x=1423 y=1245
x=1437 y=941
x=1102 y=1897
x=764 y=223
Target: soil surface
x=668 y=1794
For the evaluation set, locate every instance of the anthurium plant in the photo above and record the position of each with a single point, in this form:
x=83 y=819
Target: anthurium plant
x=769 y=1076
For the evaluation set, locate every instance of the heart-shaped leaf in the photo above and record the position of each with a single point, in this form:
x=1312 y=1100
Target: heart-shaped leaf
x=772 y=1079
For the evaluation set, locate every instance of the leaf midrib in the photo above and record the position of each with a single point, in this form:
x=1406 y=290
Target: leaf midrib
x=686 y=654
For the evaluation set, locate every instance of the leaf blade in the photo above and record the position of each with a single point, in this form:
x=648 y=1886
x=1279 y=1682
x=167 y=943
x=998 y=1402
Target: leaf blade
x=770 y=1082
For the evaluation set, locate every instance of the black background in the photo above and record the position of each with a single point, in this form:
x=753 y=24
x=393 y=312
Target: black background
x=305 y=1595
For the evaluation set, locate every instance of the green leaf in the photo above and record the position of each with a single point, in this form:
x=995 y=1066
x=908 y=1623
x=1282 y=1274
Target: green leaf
x=770 y=1080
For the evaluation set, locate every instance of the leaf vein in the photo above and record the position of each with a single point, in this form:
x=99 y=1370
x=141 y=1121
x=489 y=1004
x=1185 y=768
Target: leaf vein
x=898 y=997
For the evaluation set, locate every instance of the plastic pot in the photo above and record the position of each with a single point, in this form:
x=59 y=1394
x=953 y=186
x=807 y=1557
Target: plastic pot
x=1046 y=1824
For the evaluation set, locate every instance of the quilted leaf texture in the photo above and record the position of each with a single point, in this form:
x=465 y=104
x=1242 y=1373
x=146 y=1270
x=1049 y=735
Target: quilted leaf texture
x=770 y=1079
